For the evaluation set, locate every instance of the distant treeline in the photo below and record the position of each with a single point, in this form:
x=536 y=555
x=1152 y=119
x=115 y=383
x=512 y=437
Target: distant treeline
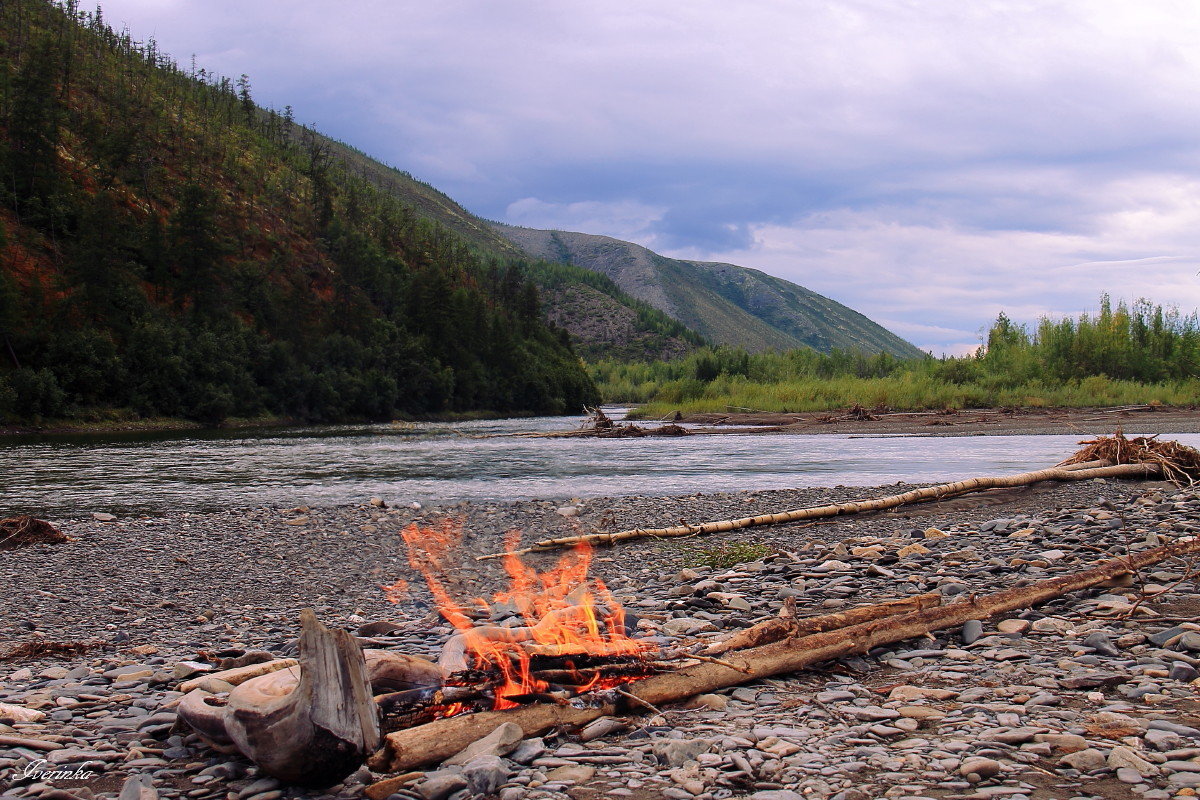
x=1121 y=355
x=169 y=247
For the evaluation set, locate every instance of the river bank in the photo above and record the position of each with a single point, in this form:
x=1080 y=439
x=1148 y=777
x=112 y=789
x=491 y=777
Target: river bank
x=966 y=422
x=1062 y=701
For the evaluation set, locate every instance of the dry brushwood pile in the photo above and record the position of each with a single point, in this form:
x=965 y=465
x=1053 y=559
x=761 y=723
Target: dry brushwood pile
x=1175 y=462
x=968 y=652
x=23 y=531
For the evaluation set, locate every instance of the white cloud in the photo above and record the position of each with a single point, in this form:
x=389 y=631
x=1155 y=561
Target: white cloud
x=933 y=282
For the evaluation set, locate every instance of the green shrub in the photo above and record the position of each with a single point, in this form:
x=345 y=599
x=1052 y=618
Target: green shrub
x=728 y=555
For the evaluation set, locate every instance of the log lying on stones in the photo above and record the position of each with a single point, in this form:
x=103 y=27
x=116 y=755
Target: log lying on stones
x=1073 y=472
x=788 y=626
x=436 y=741
x=237 y=675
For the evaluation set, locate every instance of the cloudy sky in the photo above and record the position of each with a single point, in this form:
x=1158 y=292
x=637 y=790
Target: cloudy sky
x=926 y=162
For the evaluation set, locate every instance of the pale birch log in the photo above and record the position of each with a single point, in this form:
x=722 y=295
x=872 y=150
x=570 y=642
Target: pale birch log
x=939 y=492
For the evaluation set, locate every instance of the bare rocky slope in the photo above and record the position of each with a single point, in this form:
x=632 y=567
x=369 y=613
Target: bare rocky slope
x=724 y=302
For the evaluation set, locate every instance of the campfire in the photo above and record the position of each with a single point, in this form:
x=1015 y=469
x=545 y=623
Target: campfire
x=553 y=651
x=550 y=636
x=557 y=638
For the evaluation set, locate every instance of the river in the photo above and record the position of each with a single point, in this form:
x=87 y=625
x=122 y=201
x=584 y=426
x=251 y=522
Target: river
x=69 y=475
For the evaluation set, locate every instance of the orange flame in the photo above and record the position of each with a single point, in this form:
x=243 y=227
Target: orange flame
x=566 y=612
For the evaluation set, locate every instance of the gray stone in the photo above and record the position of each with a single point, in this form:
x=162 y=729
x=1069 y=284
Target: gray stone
x=1173 y=727
x=1122 y=757
x=574 y=773
x=1084 y=760
x=484 y=774
x=528 y=750
x=677 y=752
x=258 y=787
x=777 y=794
x=1162 y=637
x=972 y=629
x=982 y=767
x=138 y=787
x=1184 y=673
x=440 y=785
x=500 y=742
x=1129 y=775
x=1101 y=644
x=1190 y=641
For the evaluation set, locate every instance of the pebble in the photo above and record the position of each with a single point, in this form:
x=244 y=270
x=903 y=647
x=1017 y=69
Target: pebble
x=1060 y=688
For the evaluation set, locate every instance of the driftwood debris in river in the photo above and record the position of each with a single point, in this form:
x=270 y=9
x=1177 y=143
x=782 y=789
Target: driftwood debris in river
x=436 y=741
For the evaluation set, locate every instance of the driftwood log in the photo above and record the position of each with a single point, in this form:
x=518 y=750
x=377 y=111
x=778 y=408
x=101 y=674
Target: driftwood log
x=314 y=729
x=1071 y=472
x=436 y=741
x=310 y=724
x=787 y=625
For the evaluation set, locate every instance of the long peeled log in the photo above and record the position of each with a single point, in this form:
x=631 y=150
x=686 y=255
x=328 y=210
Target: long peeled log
x=437 y=741
x=943 y=491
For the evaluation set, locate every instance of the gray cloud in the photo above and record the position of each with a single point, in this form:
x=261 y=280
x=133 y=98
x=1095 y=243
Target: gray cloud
x=928 y=164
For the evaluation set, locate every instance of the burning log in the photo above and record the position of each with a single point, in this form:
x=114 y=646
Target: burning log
x=436 y=741
x=1072 y=472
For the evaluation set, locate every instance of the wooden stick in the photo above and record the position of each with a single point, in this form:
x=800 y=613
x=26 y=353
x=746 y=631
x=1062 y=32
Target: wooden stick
x=939 y=492
x=773 y=630
x=240 y=675
x=439 y=740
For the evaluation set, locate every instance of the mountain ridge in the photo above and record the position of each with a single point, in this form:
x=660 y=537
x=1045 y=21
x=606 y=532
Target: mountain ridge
x=727 y=303
x=724 y=303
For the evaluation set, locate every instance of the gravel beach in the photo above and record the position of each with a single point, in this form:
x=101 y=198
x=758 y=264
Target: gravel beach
x=1068 y=700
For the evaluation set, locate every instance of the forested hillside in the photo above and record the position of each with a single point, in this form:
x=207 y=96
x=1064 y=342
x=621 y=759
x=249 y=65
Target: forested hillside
x=169 y=247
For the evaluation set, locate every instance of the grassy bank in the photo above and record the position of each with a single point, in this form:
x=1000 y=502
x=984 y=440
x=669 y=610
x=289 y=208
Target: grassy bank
x=1121 y=356
x=908 y=392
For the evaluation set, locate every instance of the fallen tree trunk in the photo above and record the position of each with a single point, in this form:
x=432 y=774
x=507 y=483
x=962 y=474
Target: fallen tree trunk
x=785 y=627
x=940 y=492
x=439 y=740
